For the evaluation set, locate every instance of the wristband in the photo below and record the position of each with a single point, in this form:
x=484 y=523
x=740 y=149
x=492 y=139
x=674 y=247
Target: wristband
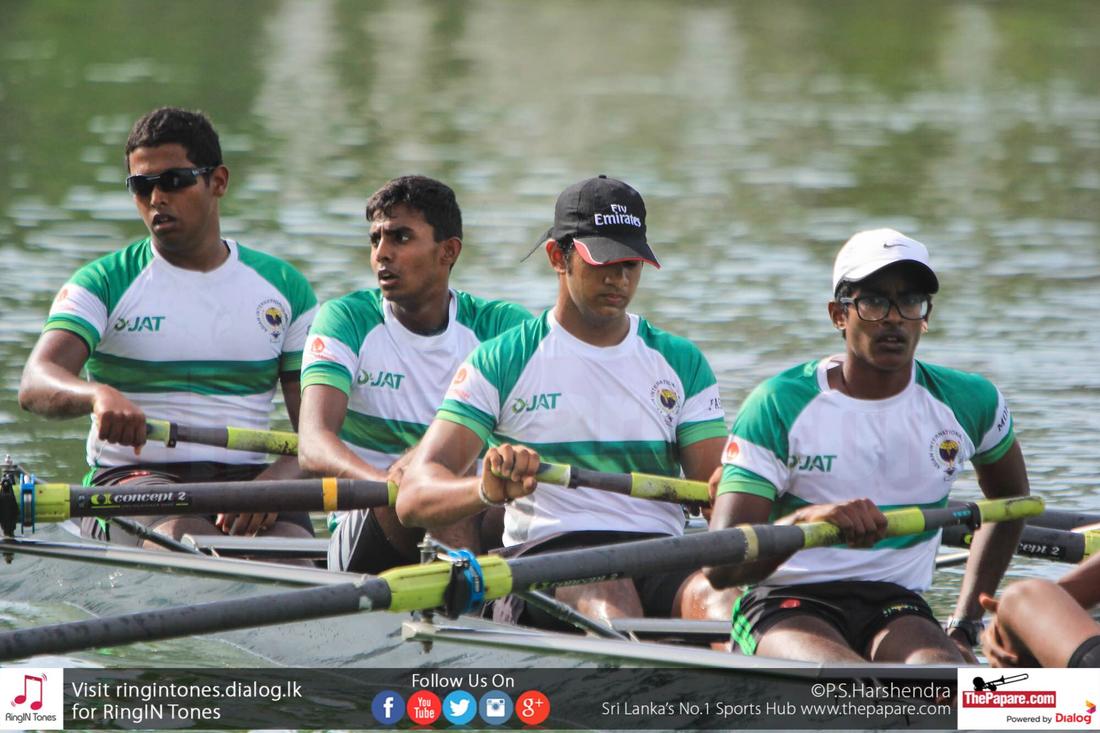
x=971 y=628
x=485 y=497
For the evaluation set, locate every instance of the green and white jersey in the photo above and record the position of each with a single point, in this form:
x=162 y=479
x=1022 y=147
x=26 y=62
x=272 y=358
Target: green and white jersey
x=394 y=378
x=796 y=441
x=628 y=407
x=198 y=348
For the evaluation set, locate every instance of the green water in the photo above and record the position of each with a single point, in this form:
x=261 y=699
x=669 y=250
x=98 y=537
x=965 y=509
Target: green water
x=761 y=134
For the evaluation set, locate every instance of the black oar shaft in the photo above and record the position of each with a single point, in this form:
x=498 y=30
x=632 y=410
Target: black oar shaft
x=202 y=618
x=301 y=495
x=1051 y=544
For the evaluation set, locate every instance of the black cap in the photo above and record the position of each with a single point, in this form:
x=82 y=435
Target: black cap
x=605 y=220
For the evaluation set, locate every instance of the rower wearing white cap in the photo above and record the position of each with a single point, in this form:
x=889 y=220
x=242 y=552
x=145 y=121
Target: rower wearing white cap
x=840 y=439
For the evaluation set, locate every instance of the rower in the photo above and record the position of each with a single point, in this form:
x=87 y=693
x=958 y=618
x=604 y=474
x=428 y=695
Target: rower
x=181 y=325
x=588 y=384
x=1014 y=638
x=840 y=438
x=379 y=361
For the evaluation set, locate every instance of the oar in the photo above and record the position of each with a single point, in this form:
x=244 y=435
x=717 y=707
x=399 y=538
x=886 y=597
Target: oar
x=58 y=502
x=176 y=563
x=275 y=442
x=638 y=485
x=1054 y=518
x=663 y=488
x=1052 y=544
x=419 y=587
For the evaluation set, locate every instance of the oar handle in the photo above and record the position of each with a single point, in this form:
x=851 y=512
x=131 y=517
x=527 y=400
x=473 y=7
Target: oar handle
x=915 y=520
x=638 y=485
x=274 y=442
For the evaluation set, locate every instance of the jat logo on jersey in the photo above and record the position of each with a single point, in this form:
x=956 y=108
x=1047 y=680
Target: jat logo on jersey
x=544 y=401
x=139 y=323
x=822 y=462
x=380 y=379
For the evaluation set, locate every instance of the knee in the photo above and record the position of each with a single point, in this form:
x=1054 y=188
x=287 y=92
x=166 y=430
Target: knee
x=1022 y=599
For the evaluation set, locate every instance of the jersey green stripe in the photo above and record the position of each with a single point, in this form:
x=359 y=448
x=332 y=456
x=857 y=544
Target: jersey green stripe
x=470 y=417
x=644 y=456
x=380 y=434
x=328 y=373
x=290 y=361
x=738 y=480
x=998 y=451
x=692 y=432
x=196 y=377
x=74 y=324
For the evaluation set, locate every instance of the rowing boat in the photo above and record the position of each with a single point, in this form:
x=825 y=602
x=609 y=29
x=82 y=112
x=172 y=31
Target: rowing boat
x=422 y=588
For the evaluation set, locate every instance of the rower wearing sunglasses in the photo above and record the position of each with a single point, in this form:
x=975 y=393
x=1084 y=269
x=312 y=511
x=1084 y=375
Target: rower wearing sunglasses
x=181 y=325
x=842 y=438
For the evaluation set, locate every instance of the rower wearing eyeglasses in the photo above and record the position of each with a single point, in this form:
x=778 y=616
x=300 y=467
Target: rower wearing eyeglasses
x=181 y=325
x=842 y=438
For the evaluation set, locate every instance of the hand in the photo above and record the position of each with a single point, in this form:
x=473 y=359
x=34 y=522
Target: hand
x=963 y=645
x=712 y=491
x=861 y=523
x=997 y=648
x=508 y=472
x=245 y=524
x=120 y=420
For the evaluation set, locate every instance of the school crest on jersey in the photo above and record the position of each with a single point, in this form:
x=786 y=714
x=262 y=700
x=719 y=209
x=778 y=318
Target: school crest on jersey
x=666 y=399
x=943 y=450
x=271 y=316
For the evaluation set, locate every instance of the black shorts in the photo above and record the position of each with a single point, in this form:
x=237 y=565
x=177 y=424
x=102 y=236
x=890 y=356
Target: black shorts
x=1086 y=655
x=858 y=609
x=656 y=592
x=170 y=473
x=358 y=545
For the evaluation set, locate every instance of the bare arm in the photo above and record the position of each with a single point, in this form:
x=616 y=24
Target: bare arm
x=1083 y=582
x=287 y=467
x=435 y=490
x=994 y=544
x=320 y=449
x=700 y=459
x=52 y=387
x=729 y=510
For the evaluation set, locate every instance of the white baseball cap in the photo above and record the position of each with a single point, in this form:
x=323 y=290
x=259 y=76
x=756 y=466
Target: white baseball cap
x=868 y=252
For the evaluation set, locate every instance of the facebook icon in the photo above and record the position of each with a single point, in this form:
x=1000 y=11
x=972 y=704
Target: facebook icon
x=387 y=707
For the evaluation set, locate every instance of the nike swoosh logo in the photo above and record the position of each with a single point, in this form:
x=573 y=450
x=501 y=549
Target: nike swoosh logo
x=888 y=245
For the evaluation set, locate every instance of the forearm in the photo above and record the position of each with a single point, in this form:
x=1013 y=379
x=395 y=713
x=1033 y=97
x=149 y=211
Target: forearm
x=990 y=553
x=431 y=496
x=1081 y=583
x=323 y=453
x=728 y=576
x=286 y=467
x=52 y=391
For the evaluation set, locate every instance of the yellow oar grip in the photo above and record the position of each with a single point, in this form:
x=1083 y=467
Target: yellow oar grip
x=416 y=587
x=262 y=441
x=666 y=488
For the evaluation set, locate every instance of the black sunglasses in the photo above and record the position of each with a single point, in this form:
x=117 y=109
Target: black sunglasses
x=170 y=180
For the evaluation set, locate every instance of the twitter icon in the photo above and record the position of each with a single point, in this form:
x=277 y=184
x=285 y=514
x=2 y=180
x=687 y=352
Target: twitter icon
x=459 y=707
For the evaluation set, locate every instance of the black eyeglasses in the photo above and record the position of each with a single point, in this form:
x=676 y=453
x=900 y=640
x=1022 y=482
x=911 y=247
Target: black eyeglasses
x=170 y=180
x=911 y=306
